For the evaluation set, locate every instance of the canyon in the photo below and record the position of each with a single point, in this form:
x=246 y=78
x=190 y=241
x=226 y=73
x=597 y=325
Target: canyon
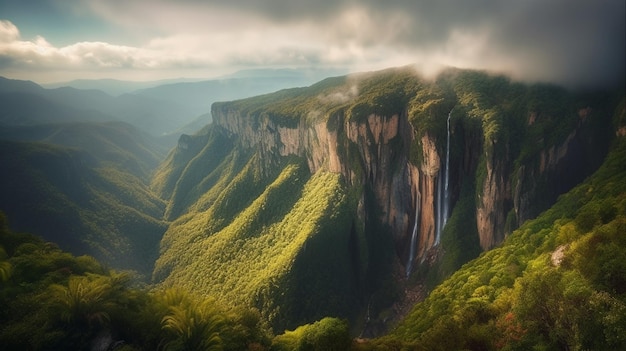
x=432 y=172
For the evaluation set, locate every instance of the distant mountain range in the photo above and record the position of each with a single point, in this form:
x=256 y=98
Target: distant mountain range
x=25 y=103
x=116 y=87
x=157 y=107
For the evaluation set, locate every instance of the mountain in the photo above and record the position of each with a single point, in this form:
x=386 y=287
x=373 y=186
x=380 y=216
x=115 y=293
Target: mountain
x=116 y=87
x=84 y=187
x=113 y=87
x=334 y=199
x=558 y=282
x=353 y=198
x=199 y=96
x=26 y=103
x=162 y=107
x=555 y=283
x=24 y=109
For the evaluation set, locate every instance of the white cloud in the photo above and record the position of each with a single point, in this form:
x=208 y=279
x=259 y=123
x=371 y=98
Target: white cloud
x=8 y=32
x=340 y=96
x=38 y=55
x=533 y=39
x=204 y=37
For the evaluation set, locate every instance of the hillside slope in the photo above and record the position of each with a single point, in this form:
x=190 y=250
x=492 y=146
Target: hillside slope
x=259 y=236
x=558 y=282
x=411 y=179
x=26 y=104
x=83 y=186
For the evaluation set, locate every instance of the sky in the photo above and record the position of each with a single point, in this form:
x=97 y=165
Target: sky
x=571 y=42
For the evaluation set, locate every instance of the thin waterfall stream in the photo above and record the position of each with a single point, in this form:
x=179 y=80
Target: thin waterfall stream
x=443 y=203
x=443 y=200
x=409 y=263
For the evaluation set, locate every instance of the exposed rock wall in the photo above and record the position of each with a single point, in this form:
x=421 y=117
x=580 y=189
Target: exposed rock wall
x=315 y=142
x=382 y=144
x=492 y=204
x=553 y=171
x=428 y=182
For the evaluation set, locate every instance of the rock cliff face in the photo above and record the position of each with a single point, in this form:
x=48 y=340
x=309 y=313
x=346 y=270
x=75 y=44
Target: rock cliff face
x=558 y=168
x=515 y=191
x=493 y=201
x=315 y=142
x=380 y=145
x=375 y=151
x=359 y=186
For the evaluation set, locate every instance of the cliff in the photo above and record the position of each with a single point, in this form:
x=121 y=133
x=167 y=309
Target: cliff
x=374 y=150
x=424 y=175
x=380 y=145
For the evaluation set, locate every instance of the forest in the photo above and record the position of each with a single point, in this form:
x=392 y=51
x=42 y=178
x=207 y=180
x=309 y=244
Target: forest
x=556 y=283
x=242 y=238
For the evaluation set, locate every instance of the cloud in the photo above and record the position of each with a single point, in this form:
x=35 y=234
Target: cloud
x=38 y=54
x=8 y=32
x=570 y=41
x=574 y=42
x=340 y=96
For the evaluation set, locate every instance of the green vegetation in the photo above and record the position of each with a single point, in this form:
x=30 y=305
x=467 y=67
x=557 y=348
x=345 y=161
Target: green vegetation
x=328 y=334
x=53 y=300
x=266 y=246
x=383 y=93
x=216 y=194
x=188 y=174
x=87 y=192
x=524 y=294
x=251 y=244
x=111 y=144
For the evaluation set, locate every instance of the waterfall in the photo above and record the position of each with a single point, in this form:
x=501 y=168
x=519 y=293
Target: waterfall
x=439 y=212
x=409 y=263
x=446 y=191
x=443 y=200
x=442 y=203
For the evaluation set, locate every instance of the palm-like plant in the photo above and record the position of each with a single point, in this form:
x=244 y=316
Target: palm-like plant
x=193 y=327
x=174 y=297
x=83 y=301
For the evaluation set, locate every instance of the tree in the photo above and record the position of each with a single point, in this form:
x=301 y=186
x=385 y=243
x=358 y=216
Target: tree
x=328 y=334
x=192 y=326
x=83 y=301
x=552 y=305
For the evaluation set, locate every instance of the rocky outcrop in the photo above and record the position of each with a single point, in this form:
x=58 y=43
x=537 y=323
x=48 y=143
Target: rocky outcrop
x=428 y=181
x=374 y=151
x=315 y=142
x=380 y=144
x=554 y=170
x=383 y=144
x=493 y=199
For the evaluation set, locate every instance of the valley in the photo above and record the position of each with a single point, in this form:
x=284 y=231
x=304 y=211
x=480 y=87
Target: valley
x=376 y=210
